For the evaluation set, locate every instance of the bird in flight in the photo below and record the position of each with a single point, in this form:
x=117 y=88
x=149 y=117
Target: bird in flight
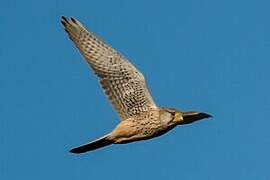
x=126 y=88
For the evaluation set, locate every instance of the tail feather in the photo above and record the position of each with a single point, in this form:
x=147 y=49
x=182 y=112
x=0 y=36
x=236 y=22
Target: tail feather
x=99 y=143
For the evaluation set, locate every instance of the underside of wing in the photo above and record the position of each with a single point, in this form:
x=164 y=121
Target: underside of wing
x=124 y=85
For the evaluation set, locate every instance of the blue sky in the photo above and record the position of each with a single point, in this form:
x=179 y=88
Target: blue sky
x=206 y=55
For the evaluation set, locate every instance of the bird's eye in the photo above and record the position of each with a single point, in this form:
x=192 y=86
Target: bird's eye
x=172 y=114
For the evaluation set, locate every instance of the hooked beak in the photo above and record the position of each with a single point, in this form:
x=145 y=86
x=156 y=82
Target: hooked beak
x=190 y=117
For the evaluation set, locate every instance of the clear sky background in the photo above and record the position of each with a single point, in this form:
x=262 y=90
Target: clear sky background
x=206 y=55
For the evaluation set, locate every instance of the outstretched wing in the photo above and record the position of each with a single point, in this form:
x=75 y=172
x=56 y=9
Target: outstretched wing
x=124 y=85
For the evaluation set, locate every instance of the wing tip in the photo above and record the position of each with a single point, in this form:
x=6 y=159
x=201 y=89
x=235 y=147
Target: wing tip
x=70 y=20
x=73 y=20
x=64 y=21
x=64 y=18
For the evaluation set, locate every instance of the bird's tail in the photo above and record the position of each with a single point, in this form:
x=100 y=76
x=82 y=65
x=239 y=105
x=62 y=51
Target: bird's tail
x=98 y=143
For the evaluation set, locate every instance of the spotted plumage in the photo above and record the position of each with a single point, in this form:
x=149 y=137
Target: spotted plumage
x=124 y=85
x=126 y=89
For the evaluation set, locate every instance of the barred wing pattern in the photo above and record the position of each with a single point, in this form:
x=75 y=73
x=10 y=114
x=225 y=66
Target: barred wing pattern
x=124 y=85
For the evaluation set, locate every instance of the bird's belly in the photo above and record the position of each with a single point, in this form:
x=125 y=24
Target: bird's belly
x=143 y=133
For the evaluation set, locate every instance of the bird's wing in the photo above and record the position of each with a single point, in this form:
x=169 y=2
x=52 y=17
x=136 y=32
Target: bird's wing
x=123 y=84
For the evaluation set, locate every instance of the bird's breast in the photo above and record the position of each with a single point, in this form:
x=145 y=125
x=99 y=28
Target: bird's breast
x=133 y=130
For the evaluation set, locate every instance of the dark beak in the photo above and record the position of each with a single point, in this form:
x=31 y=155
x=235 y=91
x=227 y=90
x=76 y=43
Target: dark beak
x=190 y=117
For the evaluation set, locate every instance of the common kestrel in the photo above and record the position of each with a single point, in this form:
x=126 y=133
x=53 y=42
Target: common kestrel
x=126 y=88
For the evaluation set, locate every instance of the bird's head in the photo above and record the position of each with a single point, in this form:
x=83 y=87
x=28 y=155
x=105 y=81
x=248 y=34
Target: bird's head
x=181 y=118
